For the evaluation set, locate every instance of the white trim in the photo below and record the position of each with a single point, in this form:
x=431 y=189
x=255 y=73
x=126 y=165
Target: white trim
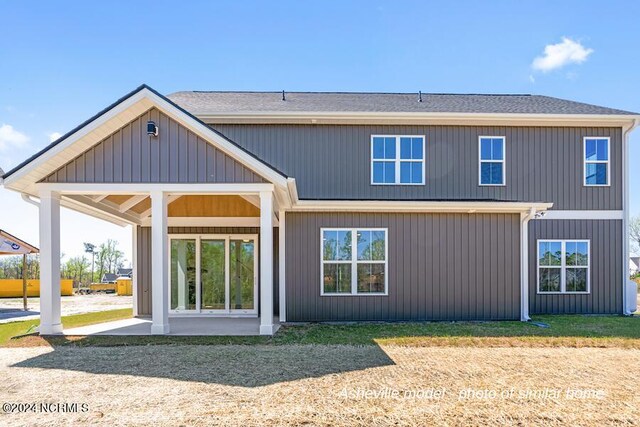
x=585 y=162
x=503 y=161
x=595 y=215
x=146 y=188
x=282 y=294
x=210 y=221
x=398 y=160
x=409 y=118
x=563 y=267
x=354 y=262
x=416 y=206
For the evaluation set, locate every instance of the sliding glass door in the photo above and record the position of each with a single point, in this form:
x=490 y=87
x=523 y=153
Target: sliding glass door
x=214 y=274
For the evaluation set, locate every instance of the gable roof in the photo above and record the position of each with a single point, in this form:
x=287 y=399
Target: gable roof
x=205 y=102
x=124 y=109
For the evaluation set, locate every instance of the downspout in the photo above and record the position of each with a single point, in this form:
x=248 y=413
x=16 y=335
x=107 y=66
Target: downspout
x=629 y=291
x=27 y=198
x=524 y=264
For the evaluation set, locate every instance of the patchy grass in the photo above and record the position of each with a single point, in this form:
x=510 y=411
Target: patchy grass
x=19 y=328
x=563 y=331
x=323 y=385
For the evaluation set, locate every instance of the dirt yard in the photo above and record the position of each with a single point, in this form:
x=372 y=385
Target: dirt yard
x=323 y=385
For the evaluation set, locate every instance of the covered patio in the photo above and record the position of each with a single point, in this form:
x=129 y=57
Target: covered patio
x=146 y=163
x=174 y=300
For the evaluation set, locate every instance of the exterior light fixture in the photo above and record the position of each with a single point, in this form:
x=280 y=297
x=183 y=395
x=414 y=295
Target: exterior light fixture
x=152 y=128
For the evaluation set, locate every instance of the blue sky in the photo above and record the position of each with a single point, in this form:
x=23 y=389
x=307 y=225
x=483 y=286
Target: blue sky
x=61 y=62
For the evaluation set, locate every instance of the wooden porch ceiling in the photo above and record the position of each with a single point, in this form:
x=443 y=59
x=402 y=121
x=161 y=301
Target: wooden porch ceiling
x=184 y=206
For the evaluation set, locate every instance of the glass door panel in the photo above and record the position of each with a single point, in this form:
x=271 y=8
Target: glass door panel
x=212 y=274
x=183 y=274
x=241 y=274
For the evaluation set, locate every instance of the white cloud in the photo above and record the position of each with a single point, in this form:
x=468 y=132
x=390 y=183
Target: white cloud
x=54 y=135
x=11 y=138
x=560 y=54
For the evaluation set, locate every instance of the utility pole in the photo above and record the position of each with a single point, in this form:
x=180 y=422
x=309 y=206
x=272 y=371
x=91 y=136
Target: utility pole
x=90 y=248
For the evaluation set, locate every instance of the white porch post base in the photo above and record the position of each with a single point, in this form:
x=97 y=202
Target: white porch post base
x=268 y=329
x=159 y=329
x=159 y=264
x=50 y=321
x=266 y=263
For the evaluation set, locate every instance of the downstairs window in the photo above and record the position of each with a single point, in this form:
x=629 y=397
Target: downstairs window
x=354 y=261
x=563 y=266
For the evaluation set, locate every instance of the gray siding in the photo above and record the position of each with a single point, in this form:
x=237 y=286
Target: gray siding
x=544 y=164
x=440 y=267
x=177 y=155
x=144 y=260
x=606 y=266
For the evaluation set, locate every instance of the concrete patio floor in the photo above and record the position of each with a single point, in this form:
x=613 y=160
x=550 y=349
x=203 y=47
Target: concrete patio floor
x=185 y=326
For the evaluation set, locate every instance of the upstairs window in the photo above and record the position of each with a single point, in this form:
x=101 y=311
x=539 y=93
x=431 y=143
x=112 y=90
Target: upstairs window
x=563 y=266
x=492 y=163
x=397 y=160
x=596 y=161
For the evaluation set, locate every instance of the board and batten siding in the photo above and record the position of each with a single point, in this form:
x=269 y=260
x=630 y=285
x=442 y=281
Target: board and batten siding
x=543 y=164
x=440 y=267
x=144 y=260
x=176 y=155
x=606 y=267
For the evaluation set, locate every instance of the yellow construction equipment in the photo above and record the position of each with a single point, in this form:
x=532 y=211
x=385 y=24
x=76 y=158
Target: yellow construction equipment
x=124 y=286
x=12 y=288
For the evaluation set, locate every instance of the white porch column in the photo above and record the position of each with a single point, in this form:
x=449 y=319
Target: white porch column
x=266 y=263
x=281 y=267
x=159 y=264
x=50 y=322
x=134 y=267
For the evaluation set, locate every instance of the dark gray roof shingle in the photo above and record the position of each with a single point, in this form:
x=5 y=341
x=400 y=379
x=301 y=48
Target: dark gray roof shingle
x=198 y=102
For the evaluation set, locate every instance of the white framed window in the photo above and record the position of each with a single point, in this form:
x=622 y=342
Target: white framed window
x=353 y=261
x=397 y=159
x=596 y=156
x=491 y=157
x=564 y=266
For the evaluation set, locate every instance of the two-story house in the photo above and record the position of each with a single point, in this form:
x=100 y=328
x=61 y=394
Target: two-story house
x=309 y=206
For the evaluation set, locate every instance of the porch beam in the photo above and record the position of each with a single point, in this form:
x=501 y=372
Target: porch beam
x=159 y=264
x=253 y=199
x=128 y=204
x=99 y=198
x=266 y=263
x=50 y=320
x=170 y=199
x=146 y=188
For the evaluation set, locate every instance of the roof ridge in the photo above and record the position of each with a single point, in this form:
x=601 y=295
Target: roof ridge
x=351 y=92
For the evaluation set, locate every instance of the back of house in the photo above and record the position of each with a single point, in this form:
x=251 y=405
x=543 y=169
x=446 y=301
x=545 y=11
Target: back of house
x=327 y=206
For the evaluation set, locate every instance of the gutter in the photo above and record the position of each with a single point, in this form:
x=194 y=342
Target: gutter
x=524 y=262
x=629 y=289
x=27 y=198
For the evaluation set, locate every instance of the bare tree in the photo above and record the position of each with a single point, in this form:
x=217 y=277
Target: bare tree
x=634 y=233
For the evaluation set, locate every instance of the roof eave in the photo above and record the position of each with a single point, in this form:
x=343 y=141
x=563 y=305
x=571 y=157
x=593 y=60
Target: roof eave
x=507 y=119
